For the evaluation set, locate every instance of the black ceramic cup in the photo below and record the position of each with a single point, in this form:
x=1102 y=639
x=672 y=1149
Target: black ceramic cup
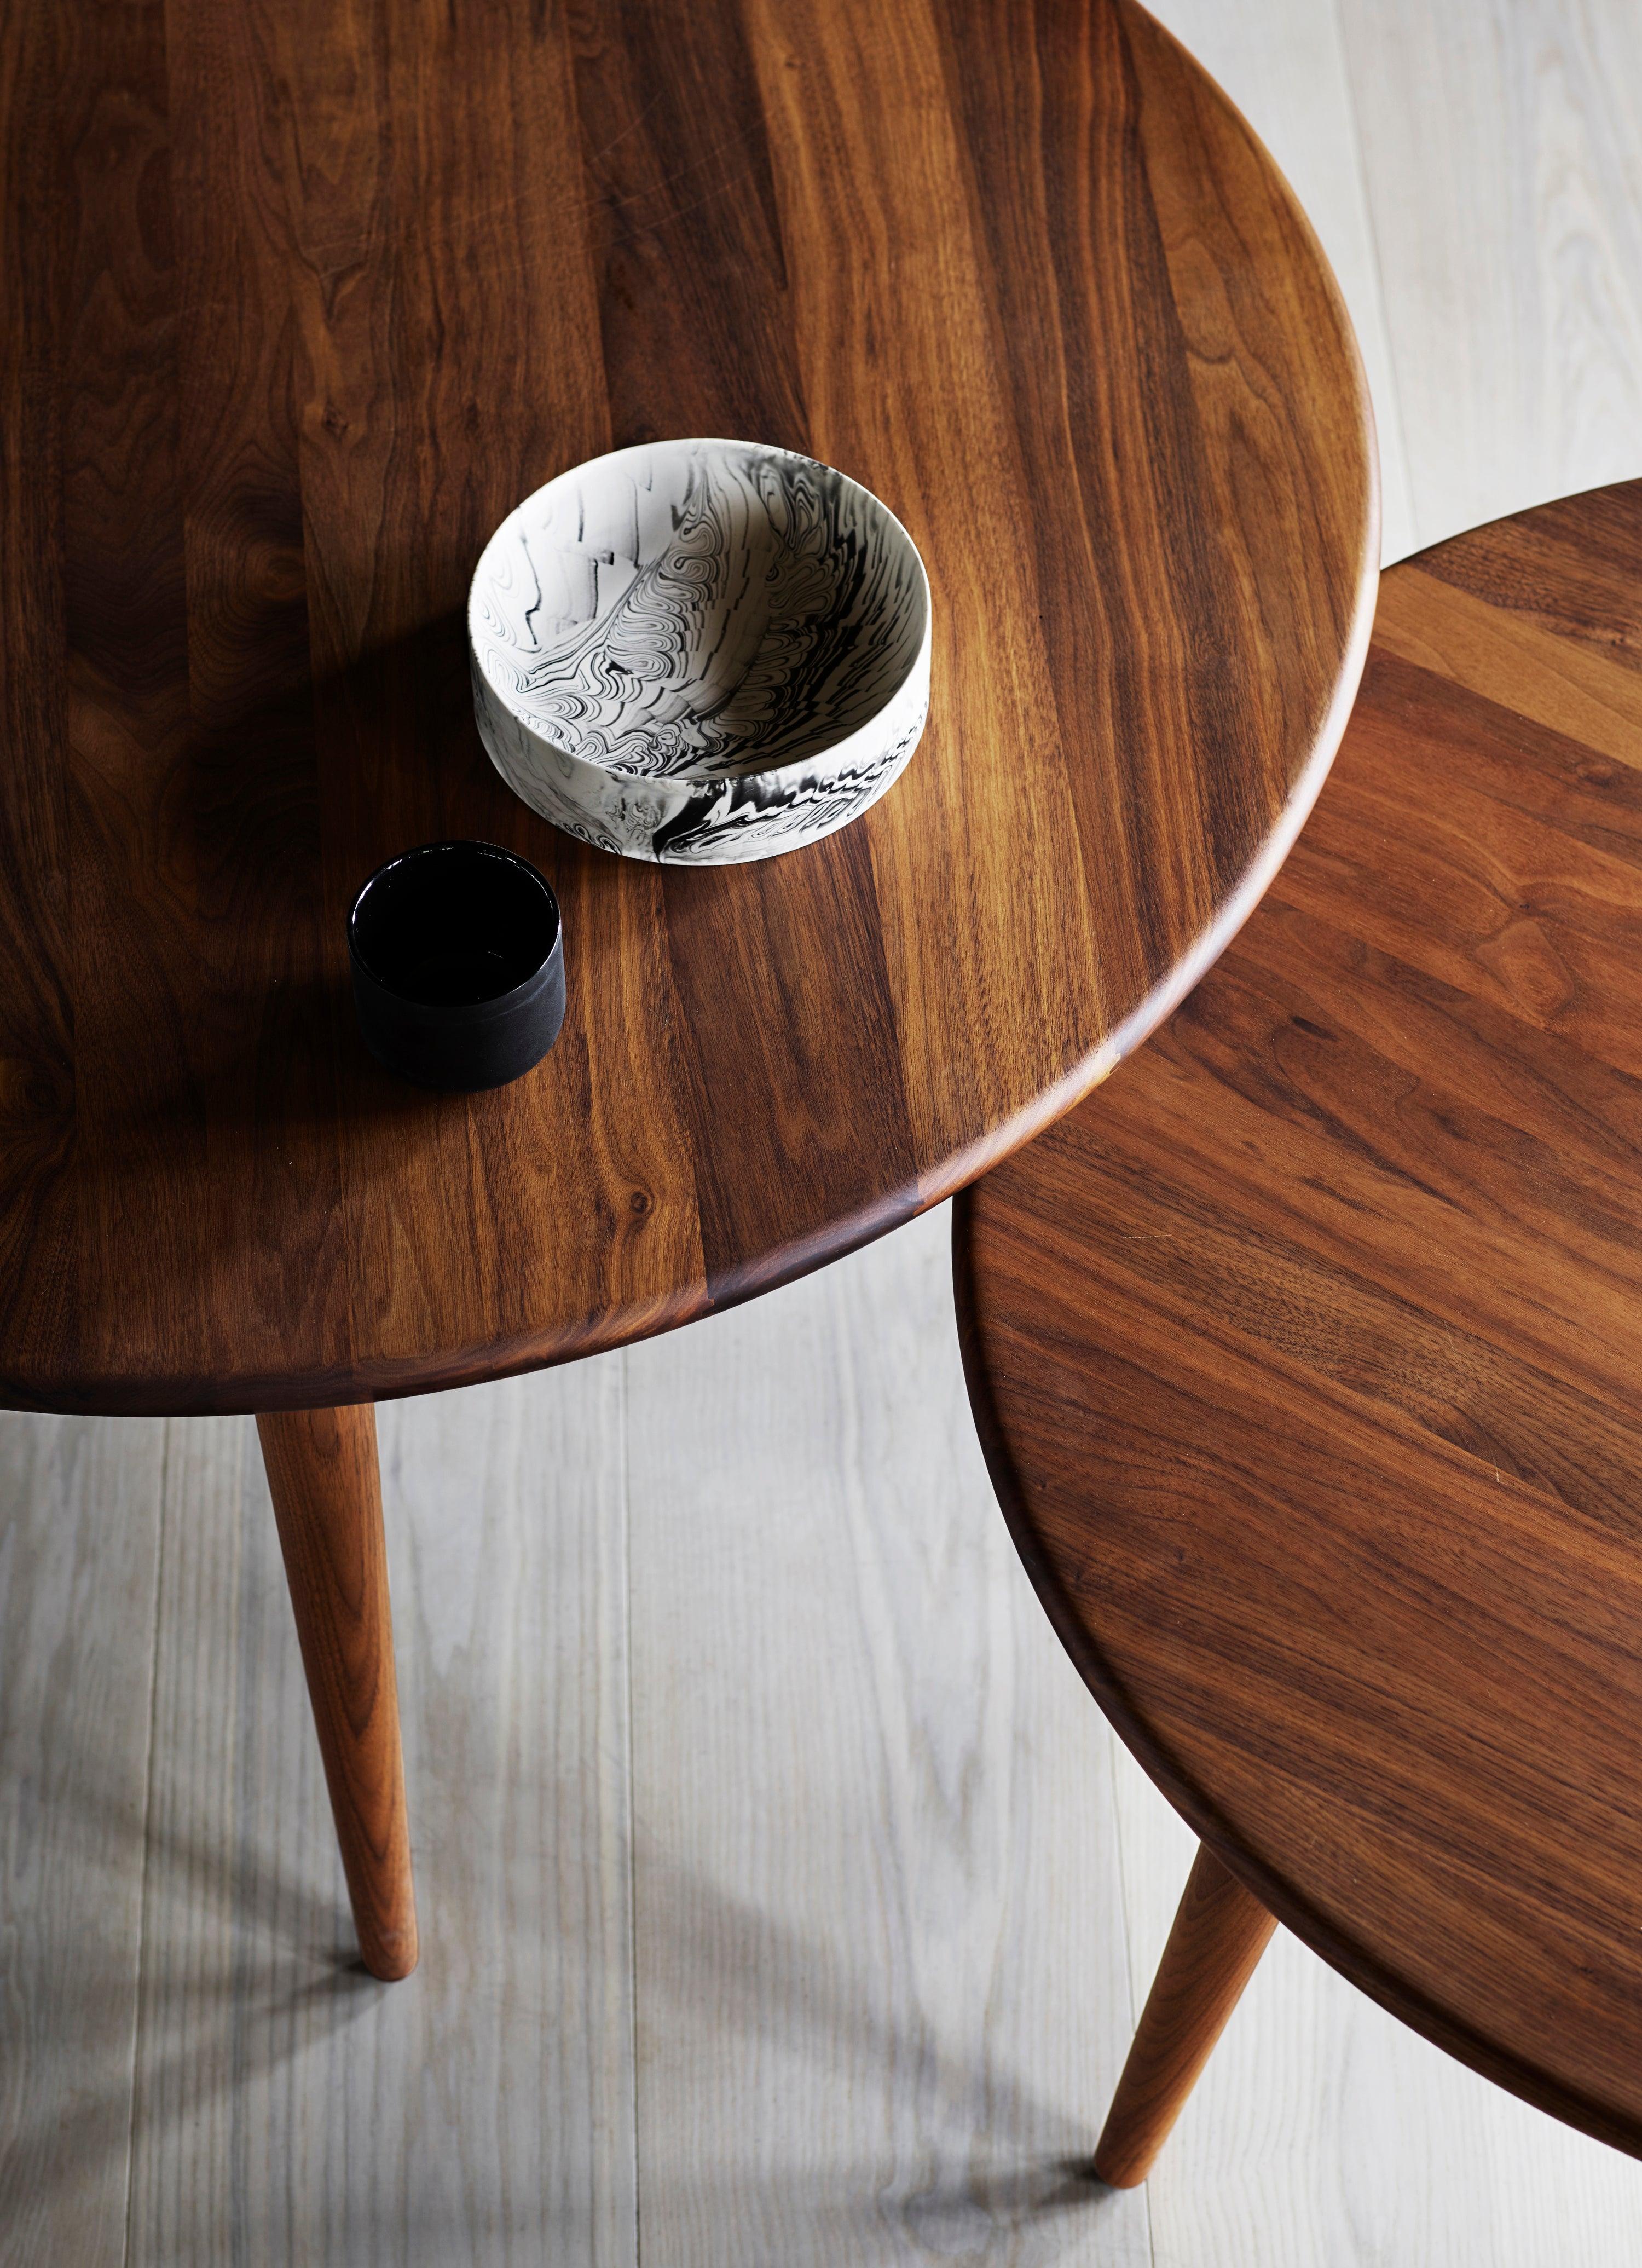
x=457 y=956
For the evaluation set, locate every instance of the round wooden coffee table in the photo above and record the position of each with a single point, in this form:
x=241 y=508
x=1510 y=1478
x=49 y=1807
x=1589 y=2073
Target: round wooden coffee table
x=293 y=318
x=1307 y=1357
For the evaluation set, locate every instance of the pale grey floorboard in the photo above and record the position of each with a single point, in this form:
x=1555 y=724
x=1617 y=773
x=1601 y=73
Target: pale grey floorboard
x=882 y=1994
x=1282 y=63
x=1503 y=147
x=289 y=2108
x=79 y=1531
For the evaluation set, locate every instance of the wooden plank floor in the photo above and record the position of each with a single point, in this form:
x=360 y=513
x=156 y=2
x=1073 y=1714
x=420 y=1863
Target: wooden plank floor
x=287 y=2107
x=784 y=1900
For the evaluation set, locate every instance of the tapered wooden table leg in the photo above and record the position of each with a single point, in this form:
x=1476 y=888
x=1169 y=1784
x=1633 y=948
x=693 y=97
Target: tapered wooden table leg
x=1219 y=1932
x=328 y=1500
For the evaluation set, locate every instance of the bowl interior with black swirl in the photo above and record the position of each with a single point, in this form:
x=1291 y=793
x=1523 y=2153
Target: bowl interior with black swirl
x=701 y=649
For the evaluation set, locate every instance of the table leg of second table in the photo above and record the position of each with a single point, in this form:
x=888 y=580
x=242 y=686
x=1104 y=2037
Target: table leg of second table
x=328 y=1500
x=1219 y=1934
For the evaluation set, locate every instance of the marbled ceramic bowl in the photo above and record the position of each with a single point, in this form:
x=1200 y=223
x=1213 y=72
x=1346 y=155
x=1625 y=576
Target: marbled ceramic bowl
x=700 y=651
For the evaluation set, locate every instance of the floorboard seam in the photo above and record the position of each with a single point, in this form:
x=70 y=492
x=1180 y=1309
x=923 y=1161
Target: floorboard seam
x=632 y=1839
x=1394 y=407
x=148 y=1809
x=1129 y=1956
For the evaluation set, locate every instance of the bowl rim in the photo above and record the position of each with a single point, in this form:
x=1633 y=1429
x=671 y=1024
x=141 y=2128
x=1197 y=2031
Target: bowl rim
x=691 y=775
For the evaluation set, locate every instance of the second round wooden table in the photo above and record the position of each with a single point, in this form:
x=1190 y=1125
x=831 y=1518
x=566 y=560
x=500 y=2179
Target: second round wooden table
x=1306 y=1357
x=296 y=310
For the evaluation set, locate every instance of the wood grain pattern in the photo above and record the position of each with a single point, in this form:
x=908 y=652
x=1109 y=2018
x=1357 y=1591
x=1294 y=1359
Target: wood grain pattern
x=339 y=289
x=287 y=2108
x=79 y=1555
x=328 y=1502
x=1501 y=149
x=1220 y=1931
x=873 y=1840
x=1280 y=2156
x=1306 y=1356
x=1283 y=63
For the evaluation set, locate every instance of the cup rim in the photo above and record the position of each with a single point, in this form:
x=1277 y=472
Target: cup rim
x=472 y=848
